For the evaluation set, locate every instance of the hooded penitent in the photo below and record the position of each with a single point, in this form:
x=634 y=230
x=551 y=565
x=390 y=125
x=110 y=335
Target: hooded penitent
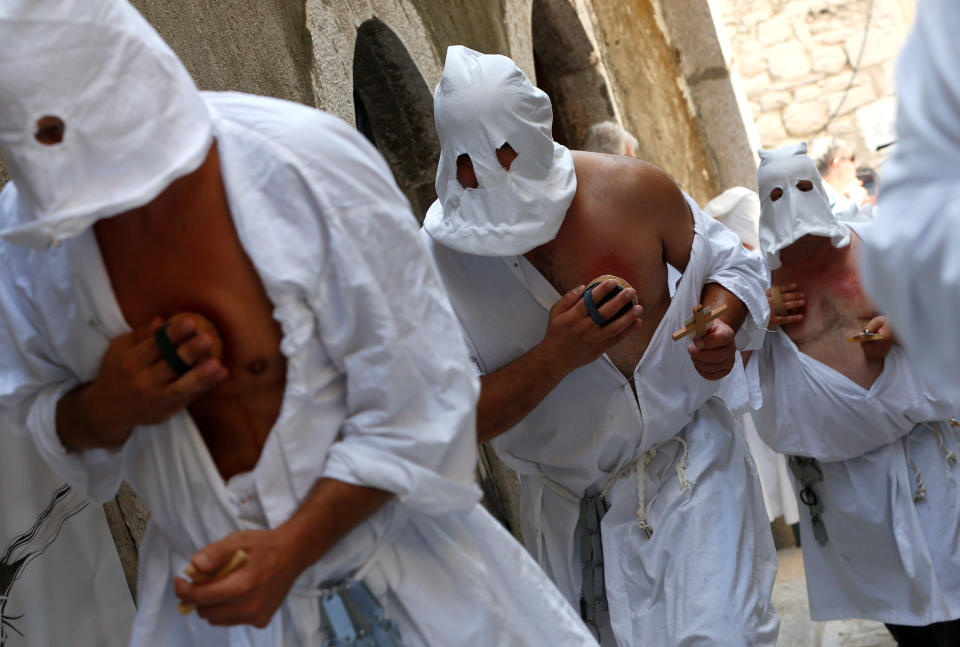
x=97 y=115
x=483 y=102
x=739 y=209
x=793 y=203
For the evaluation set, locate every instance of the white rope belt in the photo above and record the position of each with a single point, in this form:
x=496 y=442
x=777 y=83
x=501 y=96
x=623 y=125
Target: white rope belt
x=948 y=457
x=640 y=465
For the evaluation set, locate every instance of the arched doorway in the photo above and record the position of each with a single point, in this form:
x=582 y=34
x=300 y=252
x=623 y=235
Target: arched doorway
x=566 y=68
x=394 y=110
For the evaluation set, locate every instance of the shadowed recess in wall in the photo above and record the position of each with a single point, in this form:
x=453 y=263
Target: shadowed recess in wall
x=394 y=110
x=566 y=67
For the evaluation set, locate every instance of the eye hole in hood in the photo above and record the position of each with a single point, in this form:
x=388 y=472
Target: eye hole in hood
x=50 y=130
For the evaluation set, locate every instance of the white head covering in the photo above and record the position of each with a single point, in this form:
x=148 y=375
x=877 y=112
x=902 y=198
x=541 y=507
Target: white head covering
x=796 y=213
x=482 y=102
x=739 y=209
x=133 y=118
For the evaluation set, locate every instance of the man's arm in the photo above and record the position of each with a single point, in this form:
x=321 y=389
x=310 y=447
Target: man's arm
x=572 y=340
x=254 y=592
x=713 y=355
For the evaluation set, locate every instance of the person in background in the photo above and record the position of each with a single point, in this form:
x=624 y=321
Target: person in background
x=837 y=164
x=609 y=137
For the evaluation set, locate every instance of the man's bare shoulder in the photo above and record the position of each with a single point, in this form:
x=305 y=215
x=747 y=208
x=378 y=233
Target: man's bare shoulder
x=628 y=185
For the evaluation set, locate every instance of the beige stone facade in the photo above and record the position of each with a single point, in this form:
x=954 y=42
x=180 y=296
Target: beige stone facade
x=819 y=67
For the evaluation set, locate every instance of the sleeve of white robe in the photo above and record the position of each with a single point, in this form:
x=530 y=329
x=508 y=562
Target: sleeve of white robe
x=411 y=390
x=743 y=273
x=911 y=257
x=31 y=384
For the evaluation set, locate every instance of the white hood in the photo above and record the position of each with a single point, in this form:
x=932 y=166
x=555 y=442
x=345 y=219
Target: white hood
x=133 y=118
x=739 y=209
x=482 y=102
x=796 y=213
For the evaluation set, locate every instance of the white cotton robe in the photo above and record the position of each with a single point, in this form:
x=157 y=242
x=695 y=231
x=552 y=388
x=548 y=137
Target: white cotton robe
x=379 y=393
x=59 y=569
x=771 y=466
x=706 y=574
x=888 y=558
x=910 y=261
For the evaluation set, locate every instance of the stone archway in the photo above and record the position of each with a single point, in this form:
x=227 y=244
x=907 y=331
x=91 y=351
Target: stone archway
x=394 y=109
x=566 y=68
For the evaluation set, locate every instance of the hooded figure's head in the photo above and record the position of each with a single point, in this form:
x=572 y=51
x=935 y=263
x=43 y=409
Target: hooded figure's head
x=97 y=115
x=793 y=203
x=483 y=102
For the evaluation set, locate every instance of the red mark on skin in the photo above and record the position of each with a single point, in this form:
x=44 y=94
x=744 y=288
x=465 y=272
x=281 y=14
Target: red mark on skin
x=836 y=279
x=611 y=264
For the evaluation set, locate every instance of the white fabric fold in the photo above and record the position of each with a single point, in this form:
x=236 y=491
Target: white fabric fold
x=891 y=555
x=738 y=208
x=910 y=260
x=61 y=582
x=379 y=392
x=799 y=392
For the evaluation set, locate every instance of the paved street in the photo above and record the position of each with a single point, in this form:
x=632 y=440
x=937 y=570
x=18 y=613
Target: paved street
x=796 y=628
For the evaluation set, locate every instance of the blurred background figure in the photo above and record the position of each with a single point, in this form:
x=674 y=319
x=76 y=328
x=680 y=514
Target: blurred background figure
x=870 y=181
x=609 y=137
x=837 y=164
x=739 y=209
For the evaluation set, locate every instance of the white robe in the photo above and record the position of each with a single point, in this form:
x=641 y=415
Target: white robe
x=911 y=260
x=706 y=574
x=379 y=393
x=887 y=558
x=773 y=472
x=771 y=466
x=69 y=589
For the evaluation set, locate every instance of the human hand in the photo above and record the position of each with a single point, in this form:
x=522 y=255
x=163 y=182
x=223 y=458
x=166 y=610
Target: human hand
x=713 y=354
x=879 y=325
x=136 y=386
x=793 y=300
x=251 y=594
x=573 y=339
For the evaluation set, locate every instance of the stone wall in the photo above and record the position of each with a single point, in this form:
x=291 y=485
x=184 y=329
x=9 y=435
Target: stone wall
x=817 y=67
x=645 y=77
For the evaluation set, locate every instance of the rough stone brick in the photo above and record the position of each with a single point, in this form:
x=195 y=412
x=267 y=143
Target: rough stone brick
x=770 y=130
x=829 y=59
x=788 y=61
x=804 y=118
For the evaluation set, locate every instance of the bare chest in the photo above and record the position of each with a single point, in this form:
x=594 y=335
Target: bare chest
x=636 y=259
x=836 y=309
x=204 y=269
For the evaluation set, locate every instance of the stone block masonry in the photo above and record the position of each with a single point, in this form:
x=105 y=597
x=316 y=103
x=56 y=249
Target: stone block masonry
x=819 y=67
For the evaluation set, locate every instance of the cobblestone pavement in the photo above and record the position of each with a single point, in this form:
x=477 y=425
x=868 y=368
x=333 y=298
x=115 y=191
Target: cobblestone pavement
x=796 y=627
